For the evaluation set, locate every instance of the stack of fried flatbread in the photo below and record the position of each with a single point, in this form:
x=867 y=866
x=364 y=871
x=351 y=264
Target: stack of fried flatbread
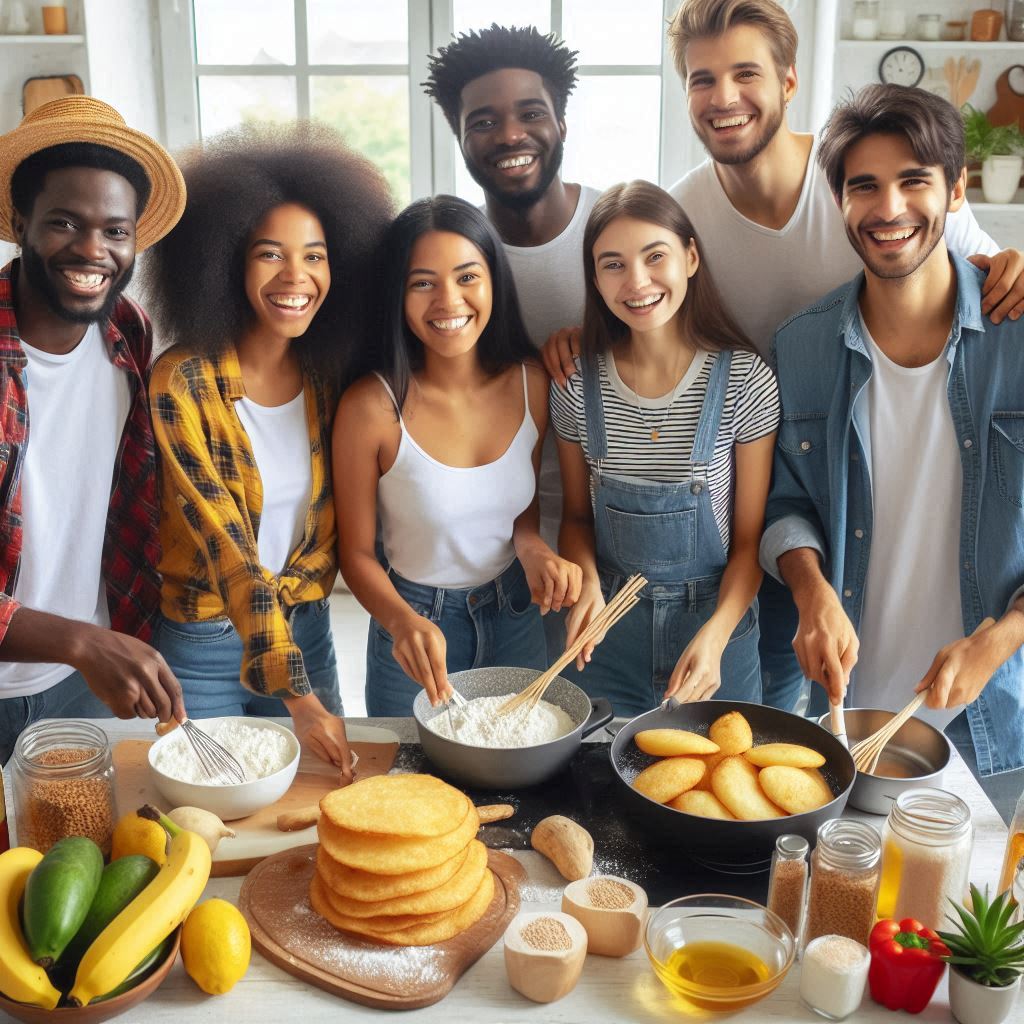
x=399 y=861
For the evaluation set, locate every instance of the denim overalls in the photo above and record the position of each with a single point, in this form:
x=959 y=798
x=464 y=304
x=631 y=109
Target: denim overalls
x=667 y=532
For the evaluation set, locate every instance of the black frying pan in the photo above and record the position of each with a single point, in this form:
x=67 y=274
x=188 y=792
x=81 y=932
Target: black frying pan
x=732 y=846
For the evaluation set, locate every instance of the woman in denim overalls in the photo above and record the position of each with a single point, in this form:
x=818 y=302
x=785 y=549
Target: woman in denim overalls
x=671 y=487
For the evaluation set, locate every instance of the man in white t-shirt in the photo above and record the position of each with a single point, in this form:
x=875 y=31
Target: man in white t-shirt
x=504 y=91
x=80 y=193
x=896 y=514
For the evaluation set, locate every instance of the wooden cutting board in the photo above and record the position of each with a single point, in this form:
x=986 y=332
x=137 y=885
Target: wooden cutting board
x=258 y=835
x=289 y=933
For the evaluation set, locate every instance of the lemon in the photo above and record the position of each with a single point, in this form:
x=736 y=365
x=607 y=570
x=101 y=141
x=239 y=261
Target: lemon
x=215 y=946
x=135 y=834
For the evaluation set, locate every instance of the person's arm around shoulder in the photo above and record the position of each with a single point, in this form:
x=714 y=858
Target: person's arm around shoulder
x=554 y=581
x=365 y=427
x=559 y=354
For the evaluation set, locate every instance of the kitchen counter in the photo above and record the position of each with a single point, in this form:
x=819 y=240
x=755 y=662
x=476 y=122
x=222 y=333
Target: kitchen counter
x=609 y=990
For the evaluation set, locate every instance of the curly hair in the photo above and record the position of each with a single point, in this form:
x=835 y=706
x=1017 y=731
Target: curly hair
x=194 y=278
x=474 y=54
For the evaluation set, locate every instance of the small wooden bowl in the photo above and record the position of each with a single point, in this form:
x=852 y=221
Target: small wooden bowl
x=94 y=1013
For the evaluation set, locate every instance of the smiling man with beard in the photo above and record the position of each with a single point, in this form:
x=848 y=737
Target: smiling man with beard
x=504 y=92
x=80 y=193
x=896 y=514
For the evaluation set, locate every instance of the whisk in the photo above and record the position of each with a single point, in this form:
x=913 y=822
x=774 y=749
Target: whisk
x=867 y=752
x=216 y=761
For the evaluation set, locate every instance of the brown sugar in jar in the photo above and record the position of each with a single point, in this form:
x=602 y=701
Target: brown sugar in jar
x=845 y=871
x=63 y=785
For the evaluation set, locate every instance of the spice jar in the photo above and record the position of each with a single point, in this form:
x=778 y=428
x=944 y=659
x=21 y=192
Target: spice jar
x=926 y=842
x=63 y=784
x=833 y=973
x=929 y=26
x=787 y=883
x=845 y=868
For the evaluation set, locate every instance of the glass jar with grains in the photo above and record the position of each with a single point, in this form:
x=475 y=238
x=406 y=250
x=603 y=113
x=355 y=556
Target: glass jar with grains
x=63 y=784
x=926 y=856
x=845 y=868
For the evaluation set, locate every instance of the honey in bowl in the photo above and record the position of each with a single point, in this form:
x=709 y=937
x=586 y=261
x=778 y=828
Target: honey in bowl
x=713 y=968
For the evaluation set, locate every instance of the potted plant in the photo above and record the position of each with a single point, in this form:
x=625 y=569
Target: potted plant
x=998 y=148
x=986 y=959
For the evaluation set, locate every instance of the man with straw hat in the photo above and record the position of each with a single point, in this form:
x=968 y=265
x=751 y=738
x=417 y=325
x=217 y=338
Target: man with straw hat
x=80 y=193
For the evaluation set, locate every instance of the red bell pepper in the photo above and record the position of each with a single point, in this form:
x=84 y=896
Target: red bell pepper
x=906 y=964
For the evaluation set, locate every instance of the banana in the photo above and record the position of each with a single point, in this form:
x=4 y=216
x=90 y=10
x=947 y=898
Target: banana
x=21 y=978
x=146 y=921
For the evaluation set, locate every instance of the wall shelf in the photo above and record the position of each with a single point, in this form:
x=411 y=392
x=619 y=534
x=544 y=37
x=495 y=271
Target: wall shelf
x=1004 y=45
x=67 y=40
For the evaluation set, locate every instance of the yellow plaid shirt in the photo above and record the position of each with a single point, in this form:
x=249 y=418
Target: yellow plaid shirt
x=211 y=497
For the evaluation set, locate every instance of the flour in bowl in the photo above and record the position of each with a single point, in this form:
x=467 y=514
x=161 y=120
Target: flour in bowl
x=480 y=725
x=260 y=752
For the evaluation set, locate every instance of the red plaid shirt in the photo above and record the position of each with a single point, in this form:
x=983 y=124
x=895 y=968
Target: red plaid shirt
x=131 y=550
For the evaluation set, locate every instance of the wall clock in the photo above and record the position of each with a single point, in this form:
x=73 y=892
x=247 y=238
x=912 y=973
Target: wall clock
x=902 y=65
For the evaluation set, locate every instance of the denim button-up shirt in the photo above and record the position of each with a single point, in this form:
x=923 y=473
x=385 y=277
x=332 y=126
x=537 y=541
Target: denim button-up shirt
x=821 y=490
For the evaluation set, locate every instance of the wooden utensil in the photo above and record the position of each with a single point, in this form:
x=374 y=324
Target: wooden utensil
x=621 y=603
x=291 y=821
x=868 y=750
x=838 y=723
x=284 y=929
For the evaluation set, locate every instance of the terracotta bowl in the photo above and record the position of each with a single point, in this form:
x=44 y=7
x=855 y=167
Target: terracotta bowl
x=95 y=1012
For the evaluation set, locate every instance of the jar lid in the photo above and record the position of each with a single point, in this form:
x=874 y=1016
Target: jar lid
x=792 y=846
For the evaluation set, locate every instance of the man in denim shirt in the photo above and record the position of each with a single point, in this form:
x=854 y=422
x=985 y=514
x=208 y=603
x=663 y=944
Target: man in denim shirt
x=896 y=514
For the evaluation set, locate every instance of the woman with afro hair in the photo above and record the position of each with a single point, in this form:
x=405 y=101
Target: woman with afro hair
x=242 y=405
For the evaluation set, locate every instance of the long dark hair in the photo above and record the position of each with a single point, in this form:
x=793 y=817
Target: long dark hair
x=503 y=342
x=702 y=316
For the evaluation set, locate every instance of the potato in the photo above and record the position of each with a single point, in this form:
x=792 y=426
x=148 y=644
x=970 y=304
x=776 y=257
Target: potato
x=732 y=733
x=735 y=783
x=664 y=780
x=792 y=789
x=792 y=755
x=674 y=743
x=706 y=805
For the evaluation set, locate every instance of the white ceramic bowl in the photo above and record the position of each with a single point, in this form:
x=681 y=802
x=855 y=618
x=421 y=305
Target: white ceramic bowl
x=230 y=801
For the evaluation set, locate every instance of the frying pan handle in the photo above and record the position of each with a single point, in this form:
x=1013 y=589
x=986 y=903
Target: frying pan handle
x=600 y=714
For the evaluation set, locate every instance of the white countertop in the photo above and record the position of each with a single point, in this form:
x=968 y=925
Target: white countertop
x=609 y=990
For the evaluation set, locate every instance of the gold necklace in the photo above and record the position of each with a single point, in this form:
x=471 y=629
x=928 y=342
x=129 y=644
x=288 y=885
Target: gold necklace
x=655 y=431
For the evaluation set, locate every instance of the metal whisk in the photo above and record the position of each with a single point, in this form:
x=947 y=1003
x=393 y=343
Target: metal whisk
x=216 y=761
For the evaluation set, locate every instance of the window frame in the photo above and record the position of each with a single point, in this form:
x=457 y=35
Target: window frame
x=432 y=146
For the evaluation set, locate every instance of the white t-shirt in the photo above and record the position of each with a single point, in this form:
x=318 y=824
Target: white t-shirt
x=552 y=293
x=279 y=436
x=766 y=275
x=750 y=411
x=912 y=593
x=77 y=405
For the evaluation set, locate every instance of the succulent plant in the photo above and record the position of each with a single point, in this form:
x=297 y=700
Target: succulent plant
x=985 y=946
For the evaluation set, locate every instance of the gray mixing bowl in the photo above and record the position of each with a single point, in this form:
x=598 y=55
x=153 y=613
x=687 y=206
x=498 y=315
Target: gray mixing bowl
x=508 y=767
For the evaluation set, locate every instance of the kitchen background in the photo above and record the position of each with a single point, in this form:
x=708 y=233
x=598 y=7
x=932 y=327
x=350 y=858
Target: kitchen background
x=183 y=70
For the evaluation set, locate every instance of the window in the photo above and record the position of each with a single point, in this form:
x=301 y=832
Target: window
x=358 y=65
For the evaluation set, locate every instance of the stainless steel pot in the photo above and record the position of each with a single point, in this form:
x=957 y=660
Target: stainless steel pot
x=508 y=767
x=916 y=756
x=732 y=846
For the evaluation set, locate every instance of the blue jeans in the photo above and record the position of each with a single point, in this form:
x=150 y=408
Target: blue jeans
x=632 y=665
x=1002 y=789
x=207 y=659
x=782 y=682
x=492 y=625
x=70 y=698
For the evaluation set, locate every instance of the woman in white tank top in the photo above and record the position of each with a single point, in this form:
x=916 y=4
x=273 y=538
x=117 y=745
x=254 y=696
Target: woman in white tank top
x=441 y=450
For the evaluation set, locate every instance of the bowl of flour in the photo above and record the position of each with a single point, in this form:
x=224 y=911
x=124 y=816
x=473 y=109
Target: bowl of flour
x=267 y=752
x=476 y=746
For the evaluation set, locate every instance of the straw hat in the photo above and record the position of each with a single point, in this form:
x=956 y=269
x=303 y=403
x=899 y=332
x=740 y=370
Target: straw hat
x=86 y=119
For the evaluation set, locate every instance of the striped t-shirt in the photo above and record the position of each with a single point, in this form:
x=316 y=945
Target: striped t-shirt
x=750 y=411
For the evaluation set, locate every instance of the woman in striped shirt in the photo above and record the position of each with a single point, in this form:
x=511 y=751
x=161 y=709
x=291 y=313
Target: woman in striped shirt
x=665 y=440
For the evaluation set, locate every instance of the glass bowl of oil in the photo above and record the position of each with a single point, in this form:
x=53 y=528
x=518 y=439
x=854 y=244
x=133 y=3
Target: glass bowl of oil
x=718 y=953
